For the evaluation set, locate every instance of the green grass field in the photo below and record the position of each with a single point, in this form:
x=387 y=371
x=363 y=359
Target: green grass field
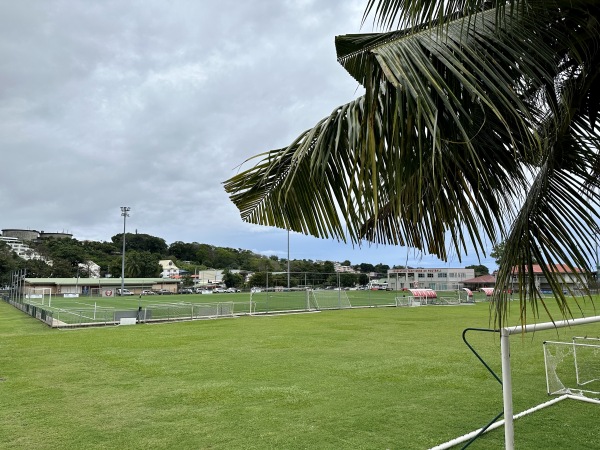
x=372 y=378
x=88 y=309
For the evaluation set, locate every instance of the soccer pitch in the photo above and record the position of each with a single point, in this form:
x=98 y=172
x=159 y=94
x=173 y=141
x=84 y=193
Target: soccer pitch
x=381 y=378
x=90 y=310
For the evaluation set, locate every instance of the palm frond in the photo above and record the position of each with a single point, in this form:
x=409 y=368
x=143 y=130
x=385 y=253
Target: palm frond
x=486 y=128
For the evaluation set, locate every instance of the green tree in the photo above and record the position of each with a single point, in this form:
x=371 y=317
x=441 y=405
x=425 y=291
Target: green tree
x=141 y=264
x=187 y=280
x=37 y=268
x=478 y=117
x=141 y=242
x=62 y=268
x=498 y=253
x=327 y=267
x=479 y=270
x=348 y=279
x=65 y=252
x=366 y=268
x=382 y=268
x=9 y=261
x=183 y=251
x=258 y=279
x=206 y=255
x=363 y=279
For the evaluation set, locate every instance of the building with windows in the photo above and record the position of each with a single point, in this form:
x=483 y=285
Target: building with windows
x=169 y=269
x=442 y=279
x=22 y=235
x=21 y=249
x=343 y=269
x=106 y=287
x=570 y=278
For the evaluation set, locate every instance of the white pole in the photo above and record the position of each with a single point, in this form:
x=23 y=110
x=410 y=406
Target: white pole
x=509 y=431
x=125 y=213
x=550 y=325
x=472 y=434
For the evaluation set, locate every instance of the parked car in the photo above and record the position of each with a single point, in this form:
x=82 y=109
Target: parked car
x=186 y=291
x=148 y=292
x=124 y=292
x=164 y=292
x=232 y=290
x=219 y=291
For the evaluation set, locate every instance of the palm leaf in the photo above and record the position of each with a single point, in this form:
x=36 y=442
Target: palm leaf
x=461 y=136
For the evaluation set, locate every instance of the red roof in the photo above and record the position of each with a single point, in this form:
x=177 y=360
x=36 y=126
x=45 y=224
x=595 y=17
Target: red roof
x=555 y=268
x=483 y=279
x=427 y=293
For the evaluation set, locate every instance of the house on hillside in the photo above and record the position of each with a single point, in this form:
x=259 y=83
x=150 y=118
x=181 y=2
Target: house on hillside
x=169 y=269
x=22 y=249
x=90 y=268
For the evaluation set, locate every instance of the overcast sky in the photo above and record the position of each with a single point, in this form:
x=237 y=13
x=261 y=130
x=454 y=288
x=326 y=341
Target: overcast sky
x=153 y=104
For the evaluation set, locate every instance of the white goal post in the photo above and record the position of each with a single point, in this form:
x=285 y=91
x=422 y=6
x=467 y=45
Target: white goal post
x=509 y=416
x=329 y=299
x=505 y=333
x=43 y=294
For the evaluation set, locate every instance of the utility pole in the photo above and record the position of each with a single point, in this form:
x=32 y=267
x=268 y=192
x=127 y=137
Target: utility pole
x=125 y=213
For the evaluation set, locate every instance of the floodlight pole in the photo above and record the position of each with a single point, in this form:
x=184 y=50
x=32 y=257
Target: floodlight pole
x=125 y=213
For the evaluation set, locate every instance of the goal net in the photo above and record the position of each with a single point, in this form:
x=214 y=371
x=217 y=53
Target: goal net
x=573 y=367
x=329 y=299
x=448 y=301
x=407 y=301
x=40 y=296
x=267 y=301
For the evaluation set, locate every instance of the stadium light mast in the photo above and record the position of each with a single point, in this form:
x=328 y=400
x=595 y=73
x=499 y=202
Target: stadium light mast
x=125 y=213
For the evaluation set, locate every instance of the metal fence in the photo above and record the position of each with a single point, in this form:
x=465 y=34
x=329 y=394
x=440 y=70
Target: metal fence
x=78 y=317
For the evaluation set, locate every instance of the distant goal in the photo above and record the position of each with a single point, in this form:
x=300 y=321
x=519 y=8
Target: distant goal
x=39 y=296
x=329 y=299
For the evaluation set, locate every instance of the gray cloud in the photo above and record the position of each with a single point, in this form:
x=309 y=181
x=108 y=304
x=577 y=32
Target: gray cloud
x=154 y=104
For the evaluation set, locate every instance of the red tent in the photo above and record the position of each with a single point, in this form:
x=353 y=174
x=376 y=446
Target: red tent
x=488 y=291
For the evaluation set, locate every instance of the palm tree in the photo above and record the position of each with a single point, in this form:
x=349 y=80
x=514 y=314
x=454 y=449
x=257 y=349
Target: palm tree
x=478 y=124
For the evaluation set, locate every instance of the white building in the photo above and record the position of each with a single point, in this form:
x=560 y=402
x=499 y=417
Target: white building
x=343 y=269
x=169 y=269
x=209 y=277
x=90 y=268
x=442 y=279
x=22 y=250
